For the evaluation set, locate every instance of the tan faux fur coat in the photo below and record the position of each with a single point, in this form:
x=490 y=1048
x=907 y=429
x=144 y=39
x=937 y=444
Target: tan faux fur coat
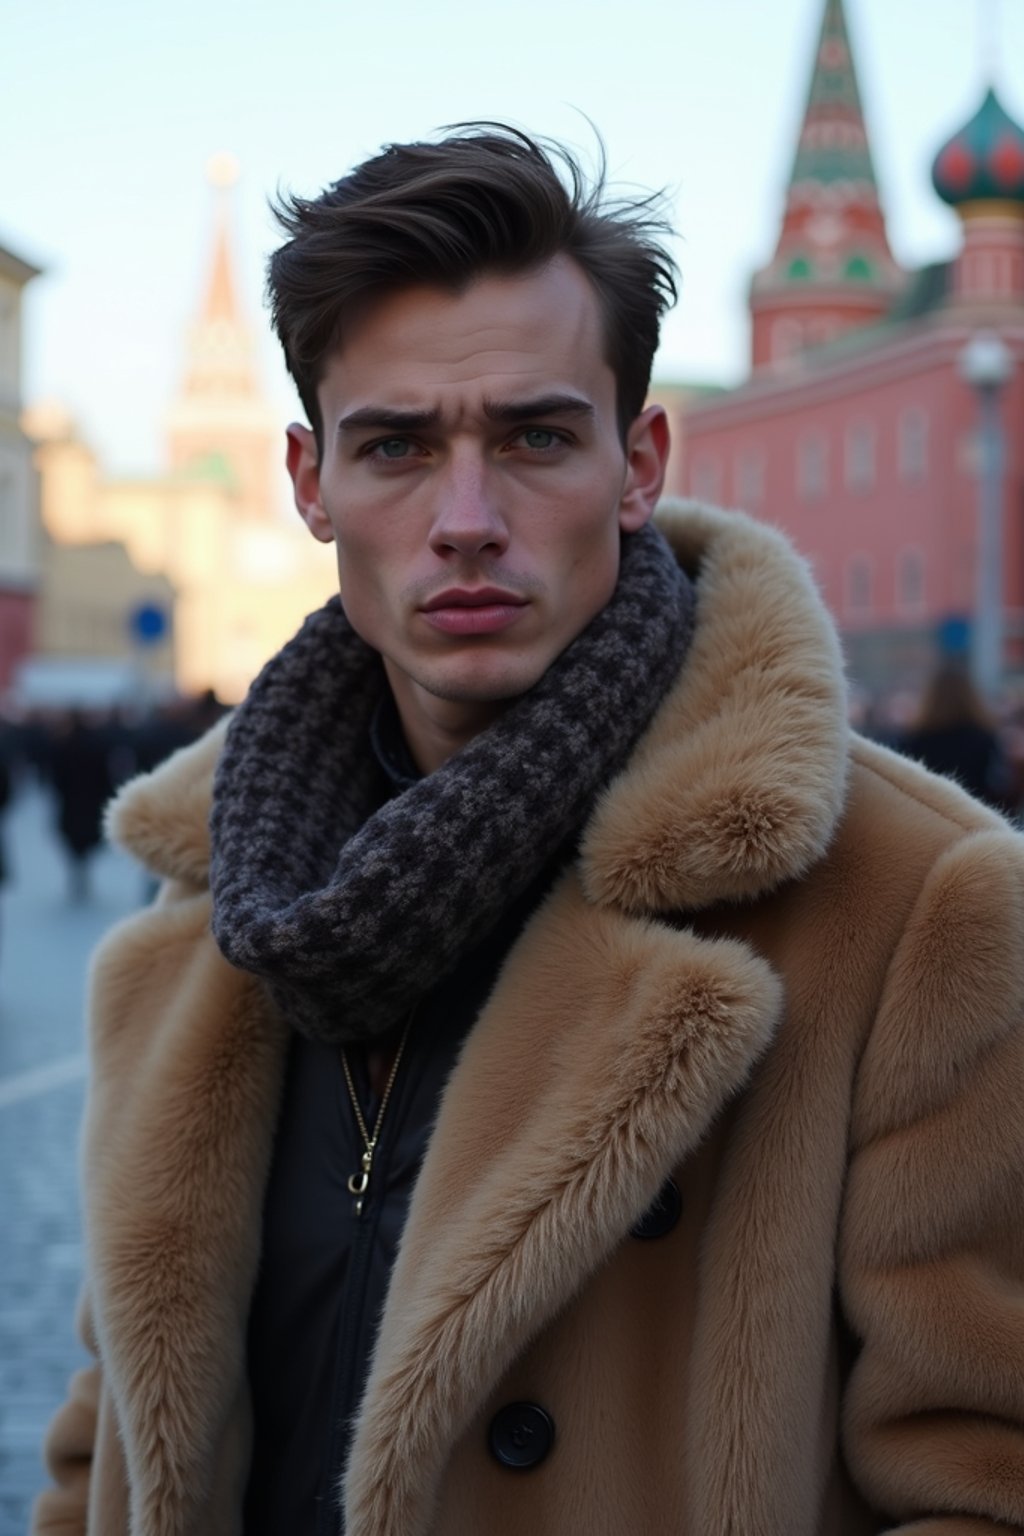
x=788 y=970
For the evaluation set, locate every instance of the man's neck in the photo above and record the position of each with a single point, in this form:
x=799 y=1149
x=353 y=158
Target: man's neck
x=435 y=729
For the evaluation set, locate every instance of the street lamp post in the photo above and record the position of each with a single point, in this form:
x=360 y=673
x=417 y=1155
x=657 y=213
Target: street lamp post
x=987 y=365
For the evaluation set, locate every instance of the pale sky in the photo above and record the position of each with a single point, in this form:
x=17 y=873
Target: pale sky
x=110 y=110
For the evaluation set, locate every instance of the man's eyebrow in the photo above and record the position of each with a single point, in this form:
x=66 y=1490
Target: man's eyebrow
x=383 y=418
x=512 y=412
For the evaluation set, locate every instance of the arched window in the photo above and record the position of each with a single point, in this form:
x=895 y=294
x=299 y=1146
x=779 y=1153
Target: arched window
x=812 y=465
x=787 y=338
x=749 y=477
x=912 y=440
x=860 y=456
x=910 y=593
x=706 y=479
x=858 y=583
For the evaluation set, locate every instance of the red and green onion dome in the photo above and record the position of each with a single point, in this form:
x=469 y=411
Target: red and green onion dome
x=984 y=161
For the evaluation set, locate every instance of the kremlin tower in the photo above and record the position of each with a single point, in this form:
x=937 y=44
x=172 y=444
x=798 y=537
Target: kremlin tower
x=832 y=269
x=220 y=426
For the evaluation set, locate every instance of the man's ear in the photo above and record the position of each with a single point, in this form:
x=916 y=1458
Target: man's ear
x=303 y=460
x=647 y=445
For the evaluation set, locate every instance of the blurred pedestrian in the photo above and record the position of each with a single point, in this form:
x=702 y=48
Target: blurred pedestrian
x=82 y=782
x=955 y=735
x=171 y=726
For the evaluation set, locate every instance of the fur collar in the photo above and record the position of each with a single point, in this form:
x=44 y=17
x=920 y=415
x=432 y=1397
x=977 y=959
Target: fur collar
x=736 y=786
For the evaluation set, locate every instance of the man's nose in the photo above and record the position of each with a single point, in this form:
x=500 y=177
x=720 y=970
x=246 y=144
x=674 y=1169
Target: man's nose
x=468 y=519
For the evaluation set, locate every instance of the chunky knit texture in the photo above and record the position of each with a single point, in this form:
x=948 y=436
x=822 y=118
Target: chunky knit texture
x=350 y=912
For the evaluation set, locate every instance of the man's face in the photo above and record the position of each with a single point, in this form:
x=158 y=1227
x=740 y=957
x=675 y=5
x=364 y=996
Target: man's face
x=475 y=484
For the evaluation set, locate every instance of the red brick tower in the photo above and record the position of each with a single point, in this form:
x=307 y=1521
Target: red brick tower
x=832 y=269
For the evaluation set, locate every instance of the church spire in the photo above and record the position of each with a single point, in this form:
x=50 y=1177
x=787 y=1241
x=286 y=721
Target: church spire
x=220 y=354
x=833 y=145
x=832 y=270
x=220 y=425
x=221 y=302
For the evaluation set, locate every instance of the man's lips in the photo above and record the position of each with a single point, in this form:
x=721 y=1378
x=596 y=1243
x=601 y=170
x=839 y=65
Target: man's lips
x=473 y=597
x=473 y=610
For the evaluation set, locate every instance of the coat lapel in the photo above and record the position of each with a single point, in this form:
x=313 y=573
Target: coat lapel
x=606 y=1051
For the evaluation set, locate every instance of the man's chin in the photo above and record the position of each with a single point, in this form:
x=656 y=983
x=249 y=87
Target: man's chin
x=480 y=691
x=481 y=679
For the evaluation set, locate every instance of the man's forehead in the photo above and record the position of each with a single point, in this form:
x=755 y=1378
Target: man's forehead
x=499 y=341
x=539 y=309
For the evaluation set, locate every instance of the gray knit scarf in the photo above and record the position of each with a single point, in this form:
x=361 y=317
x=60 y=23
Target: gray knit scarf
x=350 y=912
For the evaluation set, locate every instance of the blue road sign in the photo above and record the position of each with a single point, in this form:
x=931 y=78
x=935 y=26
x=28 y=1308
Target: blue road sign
x=148 y=624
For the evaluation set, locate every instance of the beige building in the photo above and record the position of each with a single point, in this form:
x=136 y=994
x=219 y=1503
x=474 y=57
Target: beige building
x=19 y=510
x=208 y=538
x=90 y=584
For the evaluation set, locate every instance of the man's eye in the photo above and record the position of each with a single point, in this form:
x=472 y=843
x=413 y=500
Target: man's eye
x=393 y=448
x=541 y=437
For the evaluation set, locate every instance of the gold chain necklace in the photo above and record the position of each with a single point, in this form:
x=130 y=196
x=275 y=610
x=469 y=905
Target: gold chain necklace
x=359 y=1183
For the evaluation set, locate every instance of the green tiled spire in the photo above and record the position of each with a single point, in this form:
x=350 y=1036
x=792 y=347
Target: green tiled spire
x=832 y=270
x=833 y=142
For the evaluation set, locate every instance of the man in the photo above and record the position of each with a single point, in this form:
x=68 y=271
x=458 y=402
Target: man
x=572 y=1086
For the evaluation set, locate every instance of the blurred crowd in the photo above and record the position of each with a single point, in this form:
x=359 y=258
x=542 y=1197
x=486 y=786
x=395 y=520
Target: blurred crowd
x=80 y=757
x=949 y=727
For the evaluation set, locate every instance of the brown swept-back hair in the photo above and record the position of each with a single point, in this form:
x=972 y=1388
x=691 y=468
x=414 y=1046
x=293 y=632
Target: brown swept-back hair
x=484 y=199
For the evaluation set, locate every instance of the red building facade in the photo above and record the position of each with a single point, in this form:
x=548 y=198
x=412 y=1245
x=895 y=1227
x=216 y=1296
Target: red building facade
x=857 y=431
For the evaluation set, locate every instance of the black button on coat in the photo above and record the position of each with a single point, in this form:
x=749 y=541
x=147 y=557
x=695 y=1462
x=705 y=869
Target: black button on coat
x=661 y=1215
x=521 y=1436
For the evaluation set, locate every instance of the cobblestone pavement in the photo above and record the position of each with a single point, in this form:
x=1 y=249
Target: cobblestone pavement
x=45 y=941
